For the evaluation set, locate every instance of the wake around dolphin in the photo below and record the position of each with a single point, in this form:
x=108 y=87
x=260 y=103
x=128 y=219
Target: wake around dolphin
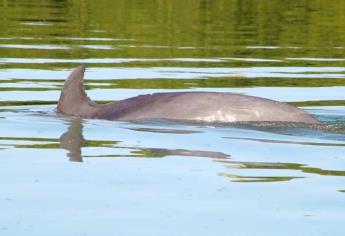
x=184 y=106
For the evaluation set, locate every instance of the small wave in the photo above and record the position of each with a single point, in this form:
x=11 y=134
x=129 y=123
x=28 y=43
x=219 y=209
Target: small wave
x=288 y=142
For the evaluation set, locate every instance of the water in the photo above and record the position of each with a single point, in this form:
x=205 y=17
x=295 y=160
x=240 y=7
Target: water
x=67 y=176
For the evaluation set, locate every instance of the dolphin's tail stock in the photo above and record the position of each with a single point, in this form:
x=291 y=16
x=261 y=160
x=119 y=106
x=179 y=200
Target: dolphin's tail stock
x=73 y=99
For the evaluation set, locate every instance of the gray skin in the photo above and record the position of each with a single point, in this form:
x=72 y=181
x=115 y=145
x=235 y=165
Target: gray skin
x=185 y=106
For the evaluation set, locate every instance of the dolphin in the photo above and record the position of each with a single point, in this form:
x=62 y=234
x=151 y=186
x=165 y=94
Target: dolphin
x=180 y=106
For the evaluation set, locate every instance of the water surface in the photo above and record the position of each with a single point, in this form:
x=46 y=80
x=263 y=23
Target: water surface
x=68 y=176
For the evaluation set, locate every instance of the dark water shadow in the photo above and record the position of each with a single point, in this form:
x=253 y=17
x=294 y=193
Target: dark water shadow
x=327 y=131
x=161 y=152
x=167 y=131
x=73 y=141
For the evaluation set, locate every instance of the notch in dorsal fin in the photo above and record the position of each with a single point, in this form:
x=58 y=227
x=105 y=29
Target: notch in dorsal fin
x=73 y=99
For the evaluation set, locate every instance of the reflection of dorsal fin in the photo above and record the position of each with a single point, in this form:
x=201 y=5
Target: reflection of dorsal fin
x=73 y=99
x=73 y=140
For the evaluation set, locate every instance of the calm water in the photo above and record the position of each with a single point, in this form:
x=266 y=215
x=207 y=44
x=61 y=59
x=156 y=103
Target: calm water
x=66 y=176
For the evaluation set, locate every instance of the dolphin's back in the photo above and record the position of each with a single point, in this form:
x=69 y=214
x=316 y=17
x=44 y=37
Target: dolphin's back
x=189 y=106
x=203 y=106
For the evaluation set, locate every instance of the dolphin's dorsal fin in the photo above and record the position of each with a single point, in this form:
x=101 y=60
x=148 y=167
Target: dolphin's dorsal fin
x=73 y=99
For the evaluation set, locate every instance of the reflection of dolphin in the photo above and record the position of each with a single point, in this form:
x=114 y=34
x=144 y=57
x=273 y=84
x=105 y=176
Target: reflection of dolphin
x=73 y=140
x=188 y=106
x=160 y=152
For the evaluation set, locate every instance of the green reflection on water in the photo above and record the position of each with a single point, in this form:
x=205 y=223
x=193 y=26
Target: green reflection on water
x=281 y=166
x=185 y=84
x=261 y=179
x=175 y=29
